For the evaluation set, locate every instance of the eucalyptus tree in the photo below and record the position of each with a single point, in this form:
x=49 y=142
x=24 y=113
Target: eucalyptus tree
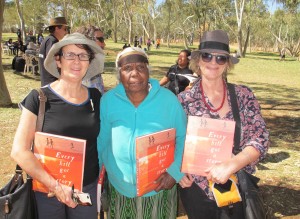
x=20 y=14
x=179 y=21
x=150 y=17
x=169 y=19
x=10 y=16
x=240 y=26
x=291 y=5
x=129 y=10
x=284 y=27
x=203 y=11
x=5 y=99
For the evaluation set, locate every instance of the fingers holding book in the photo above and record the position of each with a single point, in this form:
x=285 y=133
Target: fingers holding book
x=165 y=181
x=186 y=181
x=63 y=194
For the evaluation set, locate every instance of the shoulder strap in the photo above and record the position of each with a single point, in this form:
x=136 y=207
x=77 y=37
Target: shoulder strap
x=40 y=120
x=41 y=114
x=236 y=116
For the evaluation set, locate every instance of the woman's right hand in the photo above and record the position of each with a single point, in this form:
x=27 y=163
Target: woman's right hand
x=186 y=181
x=63 y=194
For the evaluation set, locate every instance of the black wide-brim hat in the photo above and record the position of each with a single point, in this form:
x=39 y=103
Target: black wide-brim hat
x=215 y=41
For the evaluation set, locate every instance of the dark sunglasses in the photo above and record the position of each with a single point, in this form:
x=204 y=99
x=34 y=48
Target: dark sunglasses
x=220 y=59
x=100 y=39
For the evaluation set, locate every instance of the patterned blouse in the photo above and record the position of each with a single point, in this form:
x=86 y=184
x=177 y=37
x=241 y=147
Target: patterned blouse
x=253 y=127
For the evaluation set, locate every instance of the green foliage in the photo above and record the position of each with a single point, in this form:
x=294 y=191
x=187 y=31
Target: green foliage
x=174 y=20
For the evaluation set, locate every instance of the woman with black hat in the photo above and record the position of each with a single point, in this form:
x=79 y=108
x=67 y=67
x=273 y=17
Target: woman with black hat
x=72 y=110
x=209 y=97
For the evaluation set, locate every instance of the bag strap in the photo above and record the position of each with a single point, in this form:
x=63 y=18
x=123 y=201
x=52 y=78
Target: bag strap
x=39 y=121
x=236 y=116
x=176 y=81
x=41 y=114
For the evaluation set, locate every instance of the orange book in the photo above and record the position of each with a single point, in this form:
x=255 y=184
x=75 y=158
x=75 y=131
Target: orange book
x=154 y=154
x=208 y=141
x=62 y=157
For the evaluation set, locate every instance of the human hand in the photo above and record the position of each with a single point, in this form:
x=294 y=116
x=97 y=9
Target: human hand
x=63 y=194
x=165 y=181
x=186 y=181
x=220 y=172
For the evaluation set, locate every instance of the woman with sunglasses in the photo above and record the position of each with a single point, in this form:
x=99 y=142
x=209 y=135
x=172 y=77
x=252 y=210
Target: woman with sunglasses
x=96 y=34
x=209 y=97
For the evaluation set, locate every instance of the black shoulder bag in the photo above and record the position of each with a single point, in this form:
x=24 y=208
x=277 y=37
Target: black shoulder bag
x=17 y=200
x=253 y=203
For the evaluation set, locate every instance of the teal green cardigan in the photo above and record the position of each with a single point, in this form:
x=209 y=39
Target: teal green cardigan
x=122 y=122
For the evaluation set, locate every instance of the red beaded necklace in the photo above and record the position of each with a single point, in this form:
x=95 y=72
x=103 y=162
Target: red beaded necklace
x=207 y=105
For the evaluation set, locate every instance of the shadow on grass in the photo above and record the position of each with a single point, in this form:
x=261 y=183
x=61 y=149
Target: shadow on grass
x=274 y=158
x=277 y=207
x=28 y=76
x=13 y=106
x=7 y=69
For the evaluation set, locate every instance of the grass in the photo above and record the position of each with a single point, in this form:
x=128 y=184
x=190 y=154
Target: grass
x=275 y=83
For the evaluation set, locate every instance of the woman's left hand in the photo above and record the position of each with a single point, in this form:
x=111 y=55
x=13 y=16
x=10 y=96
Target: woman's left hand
x=186 y=181
x=220 y=172
x=165 y=181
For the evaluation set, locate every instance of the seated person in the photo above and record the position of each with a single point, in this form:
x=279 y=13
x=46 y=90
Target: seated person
x=31 y=49
x=21 y=45
x=13 y=46
x=179 y=75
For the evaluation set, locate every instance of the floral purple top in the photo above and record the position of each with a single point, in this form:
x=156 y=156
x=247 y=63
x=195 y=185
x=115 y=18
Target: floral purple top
x=253 y=127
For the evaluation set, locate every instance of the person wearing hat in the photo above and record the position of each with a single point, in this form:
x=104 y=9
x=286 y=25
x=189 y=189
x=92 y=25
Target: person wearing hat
x=96 y=34
x=72 y=110
x=138 y=106
x=58 y=28
x=209 y=97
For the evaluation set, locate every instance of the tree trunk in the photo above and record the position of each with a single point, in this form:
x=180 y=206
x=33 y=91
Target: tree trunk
x=115 y=24
x=246 y=42
x=4 y=94
x=20 y=14
x=239 y=17
x=169 y=6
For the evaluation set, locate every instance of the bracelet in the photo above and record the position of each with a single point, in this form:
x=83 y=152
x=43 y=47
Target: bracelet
x=246 y=154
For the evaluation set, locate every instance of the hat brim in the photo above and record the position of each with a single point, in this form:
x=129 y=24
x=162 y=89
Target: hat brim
x=196 y=53
x=96 y=66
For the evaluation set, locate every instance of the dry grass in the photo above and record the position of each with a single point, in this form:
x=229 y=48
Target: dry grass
x=276 y=85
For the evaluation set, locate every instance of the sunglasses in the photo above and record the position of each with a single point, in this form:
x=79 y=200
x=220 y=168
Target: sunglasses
x=220 y=59
x=100 y=39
